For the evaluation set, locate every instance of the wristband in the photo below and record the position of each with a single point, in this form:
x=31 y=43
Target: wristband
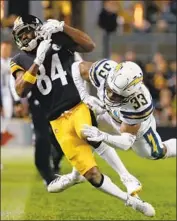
x=29 y=78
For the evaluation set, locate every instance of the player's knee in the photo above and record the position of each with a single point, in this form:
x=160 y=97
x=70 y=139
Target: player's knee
x=94 y=176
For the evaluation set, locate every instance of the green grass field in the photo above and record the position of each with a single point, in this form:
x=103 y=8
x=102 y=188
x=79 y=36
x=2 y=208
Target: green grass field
x=24 y=197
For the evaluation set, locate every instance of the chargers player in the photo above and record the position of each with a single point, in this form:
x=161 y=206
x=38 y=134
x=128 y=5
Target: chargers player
x=128 y=120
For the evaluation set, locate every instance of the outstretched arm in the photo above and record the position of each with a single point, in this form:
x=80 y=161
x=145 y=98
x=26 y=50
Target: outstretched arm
x=123 y=141
x=80 y=72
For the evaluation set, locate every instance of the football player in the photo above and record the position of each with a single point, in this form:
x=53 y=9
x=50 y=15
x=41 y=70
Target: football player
x=44 y=67
x=129 y=108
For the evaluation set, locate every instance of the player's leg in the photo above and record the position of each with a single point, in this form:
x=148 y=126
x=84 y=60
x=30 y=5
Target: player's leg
x=80 y=155
x=152 y=147
x=170 y=147
x=56 y=152
x=42 y=144
x=109 y=154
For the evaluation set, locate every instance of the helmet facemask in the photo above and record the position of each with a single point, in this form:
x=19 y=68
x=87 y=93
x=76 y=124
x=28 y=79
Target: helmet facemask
x=113 y=99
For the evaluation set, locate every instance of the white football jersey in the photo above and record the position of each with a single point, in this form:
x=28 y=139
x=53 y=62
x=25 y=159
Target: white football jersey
x=137 y=110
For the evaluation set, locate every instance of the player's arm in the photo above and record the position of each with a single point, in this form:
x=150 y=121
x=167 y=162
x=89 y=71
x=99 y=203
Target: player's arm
x=83 y=41
x=24 y=80
x=123 y=141
x=69 y=37
x=80 y=72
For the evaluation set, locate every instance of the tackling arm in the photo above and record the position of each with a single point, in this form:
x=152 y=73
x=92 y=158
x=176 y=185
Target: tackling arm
x=127 y=137
x=80 y=72
x=123 y=141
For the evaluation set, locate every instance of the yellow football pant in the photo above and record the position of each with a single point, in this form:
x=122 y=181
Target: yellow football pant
x=67 y=130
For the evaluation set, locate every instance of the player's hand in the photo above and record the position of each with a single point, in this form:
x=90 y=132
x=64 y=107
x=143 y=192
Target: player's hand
x=41 y=51
x=94 y=104
x=93 y=133
x=50 y=27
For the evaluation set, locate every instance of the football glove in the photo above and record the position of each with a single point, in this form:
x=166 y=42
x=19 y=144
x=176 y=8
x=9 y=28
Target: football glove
x=94 y=104
x=93 y=133
x=50 y=27
x=41 y=51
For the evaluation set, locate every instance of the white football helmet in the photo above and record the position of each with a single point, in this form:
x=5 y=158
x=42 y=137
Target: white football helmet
x=122 y=82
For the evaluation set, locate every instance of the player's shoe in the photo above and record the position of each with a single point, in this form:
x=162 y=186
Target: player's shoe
x=141 y=206
x=132 y=184
x=63 y=182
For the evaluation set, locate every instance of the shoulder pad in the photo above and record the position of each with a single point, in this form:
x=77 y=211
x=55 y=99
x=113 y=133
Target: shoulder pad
x=99 y=70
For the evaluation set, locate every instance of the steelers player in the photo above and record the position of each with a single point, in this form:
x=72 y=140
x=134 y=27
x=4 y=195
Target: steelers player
x=44 y=67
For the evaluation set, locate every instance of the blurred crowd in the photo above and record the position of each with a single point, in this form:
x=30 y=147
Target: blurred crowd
x=160 y=78
x=142 y=16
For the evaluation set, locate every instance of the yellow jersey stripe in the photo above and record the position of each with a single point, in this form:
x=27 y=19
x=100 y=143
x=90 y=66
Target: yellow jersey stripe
x=15 y=68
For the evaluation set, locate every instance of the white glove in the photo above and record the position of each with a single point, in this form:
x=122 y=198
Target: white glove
x=93 y=133
x=41 y=51
x=50 y=27
x=94 y=104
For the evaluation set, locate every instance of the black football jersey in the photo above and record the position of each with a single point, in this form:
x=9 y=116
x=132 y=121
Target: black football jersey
x=54 y=88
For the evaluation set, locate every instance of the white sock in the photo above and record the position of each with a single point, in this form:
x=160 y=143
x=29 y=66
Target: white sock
x=75 y=174
x=171 y=147
x=109 y=187
x=112 y=158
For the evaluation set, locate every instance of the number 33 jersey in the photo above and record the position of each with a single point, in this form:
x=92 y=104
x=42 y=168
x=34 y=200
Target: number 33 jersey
x=137 y=110
x=54 y=88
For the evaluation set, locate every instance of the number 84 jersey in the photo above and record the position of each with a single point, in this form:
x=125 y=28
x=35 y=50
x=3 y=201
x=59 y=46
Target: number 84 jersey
x=138 y=109
x=54 y=88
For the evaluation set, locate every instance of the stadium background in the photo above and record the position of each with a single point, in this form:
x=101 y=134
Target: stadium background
x=141 y=31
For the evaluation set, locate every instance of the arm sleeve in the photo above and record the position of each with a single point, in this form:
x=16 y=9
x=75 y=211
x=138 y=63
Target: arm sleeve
x=78 y=80
x=123 y=141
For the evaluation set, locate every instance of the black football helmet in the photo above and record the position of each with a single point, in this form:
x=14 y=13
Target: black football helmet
x=26 y=24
